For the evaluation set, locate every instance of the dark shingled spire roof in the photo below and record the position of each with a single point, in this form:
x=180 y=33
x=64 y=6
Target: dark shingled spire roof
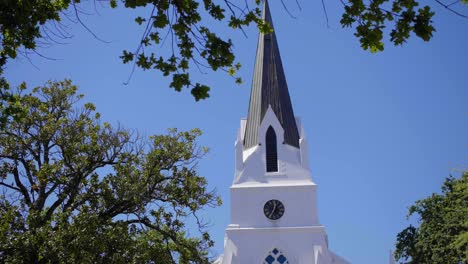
x=269 y=88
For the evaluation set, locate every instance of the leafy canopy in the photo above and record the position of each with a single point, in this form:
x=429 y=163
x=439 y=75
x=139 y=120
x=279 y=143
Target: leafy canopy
x=188 y=29
x=77 y=190
x=188 y=25
x=442 y=236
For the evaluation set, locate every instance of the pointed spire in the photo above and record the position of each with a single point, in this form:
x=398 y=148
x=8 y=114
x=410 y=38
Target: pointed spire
x=269 y=88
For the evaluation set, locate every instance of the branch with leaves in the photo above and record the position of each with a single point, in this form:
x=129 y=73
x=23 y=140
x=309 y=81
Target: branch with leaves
x=75 y=189
x=192 y=41
x=186 y=29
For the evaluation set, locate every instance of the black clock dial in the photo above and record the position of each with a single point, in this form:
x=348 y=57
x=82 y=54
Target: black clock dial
x=273 y=209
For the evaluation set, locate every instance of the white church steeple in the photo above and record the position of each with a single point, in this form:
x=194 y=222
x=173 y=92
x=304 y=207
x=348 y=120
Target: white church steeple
x=274 y=216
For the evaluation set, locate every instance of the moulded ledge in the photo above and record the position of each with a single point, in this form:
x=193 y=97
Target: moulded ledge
x=314 y=229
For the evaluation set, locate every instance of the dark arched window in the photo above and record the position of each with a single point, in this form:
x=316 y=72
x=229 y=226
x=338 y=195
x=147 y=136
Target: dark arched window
x=271 y=151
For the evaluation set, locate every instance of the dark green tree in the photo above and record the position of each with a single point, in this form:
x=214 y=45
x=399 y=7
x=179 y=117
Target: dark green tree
x=74 y=189
x=442 y=235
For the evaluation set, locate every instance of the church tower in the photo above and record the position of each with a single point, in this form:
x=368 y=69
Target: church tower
x=273 y=198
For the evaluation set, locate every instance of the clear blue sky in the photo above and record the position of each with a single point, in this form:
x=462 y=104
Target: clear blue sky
x=384 y=129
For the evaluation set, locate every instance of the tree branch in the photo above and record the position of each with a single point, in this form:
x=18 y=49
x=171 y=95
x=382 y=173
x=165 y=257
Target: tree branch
x=84 y=25
x=451 y=9
x=20 y=185
x=10 y=186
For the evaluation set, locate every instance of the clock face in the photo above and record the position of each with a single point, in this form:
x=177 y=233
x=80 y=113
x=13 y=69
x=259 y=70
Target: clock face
x=273 y=209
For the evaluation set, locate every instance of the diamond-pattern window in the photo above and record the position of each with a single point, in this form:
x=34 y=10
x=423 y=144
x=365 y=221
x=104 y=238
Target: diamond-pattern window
x=276 y=257
x=270 y=259
x=282 y=259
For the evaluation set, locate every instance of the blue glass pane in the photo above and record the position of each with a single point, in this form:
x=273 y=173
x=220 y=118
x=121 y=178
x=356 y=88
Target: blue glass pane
x=270 y=259
x=282 y=259
x=275 y=251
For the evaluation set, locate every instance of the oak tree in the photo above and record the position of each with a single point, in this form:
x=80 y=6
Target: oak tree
x=74 y=189
x=442 y=234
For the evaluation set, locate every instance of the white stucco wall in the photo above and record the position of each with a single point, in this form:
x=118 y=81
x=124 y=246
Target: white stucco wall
x=297 y=234
x=251 y=163
x=299 y=201
x=252 y=245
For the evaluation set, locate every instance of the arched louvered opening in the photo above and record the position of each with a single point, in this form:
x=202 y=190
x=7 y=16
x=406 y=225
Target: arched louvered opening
x=275 y=257
x=271 y=151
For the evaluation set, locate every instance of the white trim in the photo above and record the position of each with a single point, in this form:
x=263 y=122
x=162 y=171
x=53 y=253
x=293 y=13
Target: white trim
x=275 y=184
x=311 y=229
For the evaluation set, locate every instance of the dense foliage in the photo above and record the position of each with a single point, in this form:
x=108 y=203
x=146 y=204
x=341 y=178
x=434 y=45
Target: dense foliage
x=74 y=189
x=442 y=235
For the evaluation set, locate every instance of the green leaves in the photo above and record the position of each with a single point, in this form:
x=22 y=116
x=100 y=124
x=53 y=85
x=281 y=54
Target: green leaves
x=160 y=20
x=127 y=56
x=217 y=51
x=113 y=3
x=20 y=24
x=371 y=20
x=77 y=190
x=10 y=105
x=139 y=20
x=200 y=91
x=423 y=25
x=180 y=80
x=442 y=234
x=178 y=36
x=191 y=43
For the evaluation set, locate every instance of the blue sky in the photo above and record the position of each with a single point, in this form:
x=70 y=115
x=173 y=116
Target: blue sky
x=384 y=129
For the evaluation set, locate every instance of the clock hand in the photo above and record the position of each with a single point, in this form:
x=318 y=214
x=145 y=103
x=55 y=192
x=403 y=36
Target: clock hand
x=273 y=210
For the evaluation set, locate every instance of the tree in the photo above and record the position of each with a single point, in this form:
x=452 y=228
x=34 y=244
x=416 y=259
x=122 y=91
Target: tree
x=189 y=25
x=77 y=190
x=26 y=25
x=442 y=236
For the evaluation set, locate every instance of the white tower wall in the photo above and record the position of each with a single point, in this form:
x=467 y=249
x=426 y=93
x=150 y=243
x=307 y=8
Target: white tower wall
x=298 y=235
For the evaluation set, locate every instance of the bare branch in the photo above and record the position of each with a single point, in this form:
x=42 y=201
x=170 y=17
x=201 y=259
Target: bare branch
x=145 y=34
x=299 y=5
x=451 y=9
x=10 y=186
x=287 y=10
x=325 y=12
x=84 y=25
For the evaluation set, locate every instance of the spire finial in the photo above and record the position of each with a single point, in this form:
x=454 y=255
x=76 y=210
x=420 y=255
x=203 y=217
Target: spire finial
x=266 y=12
